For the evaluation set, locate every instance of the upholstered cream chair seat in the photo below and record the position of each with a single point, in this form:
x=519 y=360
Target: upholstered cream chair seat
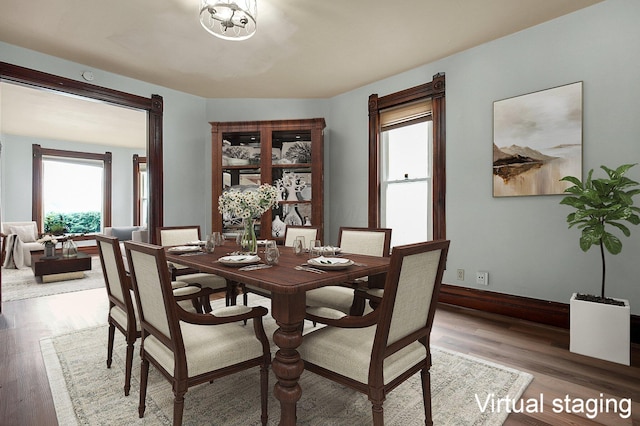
x=191 y=349
x=349 y=298
x=376 y=352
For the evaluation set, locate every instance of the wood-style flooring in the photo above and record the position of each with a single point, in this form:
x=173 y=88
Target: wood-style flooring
x=25 y=398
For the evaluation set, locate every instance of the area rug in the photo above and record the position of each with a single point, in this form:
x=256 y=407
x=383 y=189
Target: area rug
x=86 y=392
x=20 y=283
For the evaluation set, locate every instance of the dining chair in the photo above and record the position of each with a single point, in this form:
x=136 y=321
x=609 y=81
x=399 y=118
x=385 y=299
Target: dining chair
x=376 y=352
x=122 y=310
x=290 y=234
x=181 y=235
x=190 y=349
x=349 y=298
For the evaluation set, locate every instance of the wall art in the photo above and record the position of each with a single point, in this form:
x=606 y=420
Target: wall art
x=537 y=140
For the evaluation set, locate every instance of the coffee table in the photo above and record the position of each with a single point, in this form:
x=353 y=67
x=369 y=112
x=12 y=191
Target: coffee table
x=60 y=268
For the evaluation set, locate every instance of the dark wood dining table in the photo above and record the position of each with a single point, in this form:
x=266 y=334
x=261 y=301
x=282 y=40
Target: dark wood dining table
x=288 y=287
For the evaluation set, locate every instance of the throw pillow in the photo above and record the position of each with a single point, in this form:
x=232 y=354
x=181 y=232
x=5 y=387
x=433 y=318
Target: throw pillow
x=26 y=233
x=123 y=233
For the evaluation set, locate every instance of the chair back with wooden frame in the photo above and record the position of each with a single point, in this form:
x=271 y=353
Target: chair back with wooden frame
x=308 y=232
x=183 y=345
x=376 y=352
x=177 y=235
x=367 y=241
x=122 y=313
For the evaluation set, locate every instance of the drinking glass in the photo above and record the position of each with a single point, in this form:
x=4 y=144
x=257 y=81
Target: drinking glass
x=210 y=244
x=218 y=238
x=271 y=253
x=298 y=245
x=314 y=249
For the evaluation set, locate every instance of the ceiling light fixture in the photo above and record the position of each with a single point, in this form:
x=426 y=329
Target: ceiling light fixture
x=229 y=19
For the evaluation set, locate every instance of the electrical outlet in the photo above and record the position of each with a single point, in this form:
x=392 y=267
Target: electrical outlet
x=482 y=278
x=460 y=274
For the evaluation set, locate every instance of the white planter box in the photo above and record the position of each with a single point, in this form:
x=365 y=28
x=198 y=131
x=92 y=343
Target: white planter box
x=601 y=331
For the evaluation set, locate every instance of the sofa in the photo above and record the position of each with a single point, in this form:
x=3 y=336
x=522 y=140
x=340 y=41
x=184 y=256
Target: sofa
x=27 y=233
x=128 y=233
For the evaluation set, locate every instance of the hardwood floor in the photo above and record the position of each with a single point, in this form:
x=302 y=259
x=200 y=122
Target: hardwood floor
x=25 y=398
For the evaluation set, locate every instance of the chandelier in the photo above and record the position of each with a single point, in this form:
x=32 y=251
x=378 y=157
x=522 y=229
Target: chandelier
x=229 y=19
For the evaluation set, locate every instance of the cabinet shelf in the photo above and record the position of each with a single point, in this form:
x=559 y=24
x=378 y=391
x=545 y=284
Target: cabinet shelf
x=263 y=143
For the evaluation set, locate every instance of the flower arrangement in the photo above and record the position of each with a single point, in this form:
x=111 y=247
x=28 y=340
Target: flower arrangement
x=48 y=240
x=248 y=204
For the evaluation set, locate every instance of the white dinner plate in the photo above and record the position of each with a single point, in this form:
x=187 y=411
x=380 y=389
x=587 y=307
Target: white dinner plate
x=183 y=249
x=239 y=260
x=330 y=262
x=196 y=243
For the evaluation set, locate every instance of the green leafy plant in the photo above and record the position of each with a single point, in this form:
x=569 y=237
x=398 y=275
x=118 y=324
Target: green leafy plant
x=602 y=204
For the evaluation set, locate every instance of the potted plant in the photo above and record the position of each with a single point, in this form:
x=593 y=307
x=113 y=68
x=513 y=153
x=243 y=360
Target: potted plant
x=599 y=325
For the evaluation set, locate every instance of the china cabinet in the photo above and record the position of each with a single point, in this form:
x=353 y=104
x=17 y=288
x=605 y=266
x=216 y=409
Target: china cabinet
x=285 y=153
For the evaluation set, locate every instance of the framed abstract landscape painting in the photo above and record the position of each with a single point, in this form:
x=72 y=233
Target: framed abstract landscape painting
x=537 y=140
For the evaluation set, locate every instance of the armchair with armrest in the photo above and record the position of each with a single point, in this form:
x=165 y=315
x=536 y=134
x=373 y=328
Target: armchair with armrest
x=190 y=349
x=179 y=235
x=349 y=298
x=27 y=233
x=376 y=352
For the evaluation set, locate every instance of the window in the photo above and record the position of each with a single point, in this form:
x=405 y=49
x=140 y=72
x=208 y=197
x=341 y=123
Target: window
x=405 y=191
x=72 y=195
x=71 y=189
x=407 y=162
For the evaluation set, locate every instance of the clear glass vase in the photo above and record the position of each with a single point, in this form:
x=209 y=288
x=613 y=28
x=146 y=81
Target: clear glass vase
x=248 y=241
x=69 y=248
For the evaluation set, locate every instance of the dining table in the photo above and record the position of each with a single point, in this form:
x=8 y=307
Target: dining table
x=287 y=281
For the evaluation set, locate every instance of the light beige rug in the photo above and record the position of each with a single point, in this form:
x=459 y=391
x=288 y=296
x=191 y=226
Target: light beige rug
x=20 y=283
x=86 y=392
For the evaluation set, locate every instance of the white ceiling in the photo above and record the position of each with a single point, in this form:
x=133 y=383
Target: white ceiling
x=302 y=48
x=49 y=115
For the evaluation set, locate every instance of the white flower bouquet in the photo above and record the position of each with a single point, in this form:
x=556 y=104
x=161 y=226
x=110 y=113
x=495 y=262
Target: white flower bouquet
x=249 y=204
x=48 y=240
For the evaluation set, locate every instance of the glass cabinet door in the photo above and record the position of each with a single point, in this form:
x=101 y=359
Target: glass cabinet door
x=292 y=175
x=241 y=156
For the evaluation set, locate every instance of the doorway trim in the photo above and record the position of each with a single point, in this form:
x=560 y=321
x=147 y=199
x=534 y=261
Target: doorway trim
x=153 y=106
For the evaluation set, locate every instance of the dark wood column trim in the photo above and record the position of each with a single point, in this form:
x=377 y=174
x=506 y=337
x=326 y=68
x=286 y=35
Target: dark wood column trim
x=155 y=168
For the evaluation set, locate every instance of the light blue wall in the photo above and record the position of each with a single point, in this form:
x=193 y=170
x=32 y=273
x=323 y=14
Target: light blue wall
x=523 y=242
